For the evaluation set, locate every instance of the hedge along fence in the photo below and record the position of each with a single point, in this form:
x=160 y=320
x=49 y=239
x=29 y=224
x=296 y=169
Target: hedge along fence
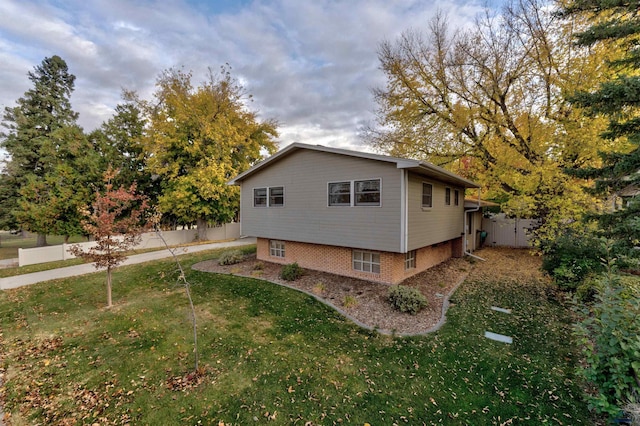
x=149 y=240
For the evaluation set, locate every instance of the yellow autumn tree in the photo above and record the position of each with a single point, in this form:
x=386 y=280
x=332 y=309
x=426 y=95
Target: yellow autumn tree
x=488 y=103
x=199 y=138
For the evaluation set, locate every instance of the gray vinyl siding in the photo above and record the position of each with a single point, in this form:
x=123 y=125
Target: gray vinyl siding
x=427 y=226
x=306 y=216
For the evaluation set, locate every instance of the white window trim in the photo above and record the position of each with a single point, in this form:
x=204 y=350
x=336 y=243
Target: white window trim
x=362 y=262
x=456 y=197
x=422 y=195
x=445 y=196
x=268 y=188
x=277 y=247
x=352 y=193
x=410 y=260
x=350 y=182
x=269 y=196
x=253 y=194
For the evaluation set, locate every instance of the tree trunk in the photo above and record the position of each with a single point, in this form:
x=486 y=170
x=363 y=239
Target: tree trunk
x=201 y=224
x=109 y=304
x=41 y=240
x=66 y=239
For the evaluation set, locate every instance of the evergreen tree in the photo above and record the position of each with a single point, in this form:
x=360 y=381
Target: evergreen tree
x=616 y=24
x=38 y=128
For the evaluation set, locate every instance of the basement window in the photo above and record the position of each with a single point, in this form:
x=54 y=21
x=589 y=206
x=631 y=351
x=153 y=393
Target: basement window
x=366 y=261
x=276 y=248
x=410 y=260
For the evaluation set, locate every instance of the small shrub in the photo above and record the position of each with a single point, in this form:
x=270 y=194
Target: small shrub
x=258 y=266
x=291 y=272
x=349 y=301
x=230 y=257
x=406 y=299
x=319 y=288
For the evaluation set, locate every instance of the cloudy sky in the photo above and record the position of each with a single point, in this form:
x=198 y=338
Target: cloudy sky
x=310 y=64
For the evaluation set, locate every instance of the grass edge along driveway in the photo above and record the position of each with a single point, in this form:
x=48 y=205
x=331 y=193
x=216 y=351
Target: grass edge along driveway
x=271 y=355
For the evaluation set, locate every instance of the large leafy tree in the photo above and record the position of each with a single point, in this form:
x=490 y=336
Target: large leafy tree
x=487 y=102
x=119 y=142
x=42 y=140
x=615 y=25
x=199 y=138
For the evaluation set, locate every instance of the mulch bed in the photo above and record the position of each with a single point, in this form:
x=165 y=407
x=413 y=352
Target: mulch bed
x=364 y=302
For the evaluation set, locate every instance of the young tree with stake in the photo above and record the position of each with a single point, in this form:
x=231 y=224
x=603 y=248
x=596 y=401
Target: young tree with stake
x=116 y=220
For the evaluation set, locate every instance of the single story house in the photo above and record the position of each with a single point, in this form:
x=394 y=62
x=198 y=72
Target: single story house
x=352 y=213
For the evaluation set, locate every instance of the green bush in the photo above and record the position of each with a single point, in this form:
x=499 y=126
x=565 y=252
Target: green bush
x=406 y=299
x=610 y=336
x=230 y=257
x=572 y=257
x=291 y=272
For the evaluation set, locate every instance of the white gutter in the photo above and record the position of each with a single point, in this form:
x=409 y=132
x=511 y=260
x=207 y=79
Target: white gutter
x=475 y=209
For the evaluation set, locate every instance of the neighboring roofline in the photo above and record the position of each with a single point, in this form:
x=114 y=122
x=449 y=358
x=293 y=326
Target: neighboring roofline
x=473 y=202
x=401 y=163
x=632 y=190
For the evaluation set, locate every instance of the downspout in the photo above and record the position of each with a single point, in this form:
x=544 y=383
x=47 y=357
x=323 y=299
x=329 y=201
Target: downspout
x=475 y=209
x=404 y=211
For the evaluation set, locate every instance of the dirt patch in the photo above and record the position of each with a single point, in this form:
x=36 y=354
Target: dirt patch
x=364 y=302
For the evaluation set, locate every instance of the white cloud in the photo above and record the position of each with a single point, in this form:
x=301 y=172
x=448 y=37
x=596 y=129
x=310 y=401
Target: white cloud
x=310 y=65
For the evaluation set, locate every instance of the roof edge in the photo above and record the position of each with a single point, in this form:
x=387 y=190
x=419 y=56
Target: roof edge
x=401 y=163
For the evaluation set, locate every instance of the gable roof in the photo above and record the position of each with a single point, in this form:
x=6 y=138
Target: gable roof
x=420 y=167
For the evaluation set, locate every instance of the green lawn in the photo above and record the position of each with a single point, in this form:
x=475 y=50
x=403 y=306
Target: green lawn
x=272 y=355
x=9 y=244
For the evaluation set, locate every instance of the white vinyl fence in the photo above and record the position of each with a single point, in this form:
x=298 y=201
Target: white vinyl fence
x=505 y=232
x=230 y=231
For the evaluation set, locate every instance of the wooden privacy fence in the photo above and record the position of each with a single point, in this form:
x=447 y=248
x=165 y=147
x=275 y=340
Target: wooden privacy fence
x=32 y=256
x=507 y=232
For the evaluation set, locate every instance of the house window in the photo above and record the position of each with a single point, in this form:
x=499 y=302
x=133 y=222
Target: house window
x=410 y=260
x=447 y=196
x=456 y=197
x=427 y=194
x=340 y=194
x=276 y=196
x=367 y=192
x=355 y=193
x=268 y=197
x=260 y=197
x=276 y=248
x=366 y=261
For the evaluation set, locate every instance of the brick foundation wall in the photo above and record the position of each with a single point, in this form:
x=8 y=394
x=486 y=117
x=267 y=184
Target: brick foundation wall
x=426 y=257
x=457 y=248
x=338 y=260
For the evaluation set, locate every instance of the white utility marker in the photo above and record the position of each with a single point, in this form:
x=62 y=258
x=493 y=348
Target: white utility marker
x=503 y=310
x=498 y=337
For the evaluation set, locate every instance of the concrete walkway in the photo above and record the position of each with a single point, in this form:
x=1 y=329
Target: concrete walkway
x=88 y=268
